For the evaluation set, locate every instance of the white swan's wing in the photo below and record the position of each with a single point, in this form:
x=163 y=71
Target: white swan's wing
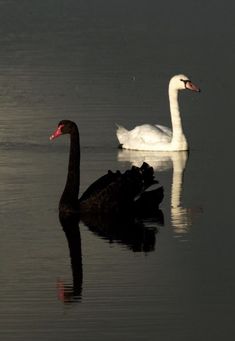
x=164 y=129
x=149 y=134
x=144 y=137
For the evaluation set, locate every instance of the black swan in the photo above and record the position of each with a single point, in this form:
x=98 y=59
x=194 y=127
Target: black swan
x=115 y=193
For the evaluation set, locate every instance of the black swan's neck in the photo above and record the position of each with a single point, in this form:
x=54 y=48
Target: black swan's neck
x=71 y=190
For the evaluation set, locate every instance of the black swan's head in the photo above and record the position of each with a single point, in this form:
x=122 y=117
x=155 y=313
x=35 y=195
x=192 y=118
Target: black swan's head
x=64 y=127
x=69 y=200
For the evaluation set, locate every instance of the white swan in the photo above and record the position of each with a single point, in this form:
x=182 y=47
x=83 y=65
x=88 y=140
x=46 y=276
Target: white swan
x=157 y=137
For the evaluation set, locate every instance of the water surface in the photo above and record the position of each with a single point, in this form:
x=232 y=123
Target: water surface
x=98 y=63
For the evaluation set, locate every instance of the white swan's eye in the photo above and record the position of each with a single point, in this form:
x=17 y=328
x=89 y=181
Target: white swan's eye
x=185 y=82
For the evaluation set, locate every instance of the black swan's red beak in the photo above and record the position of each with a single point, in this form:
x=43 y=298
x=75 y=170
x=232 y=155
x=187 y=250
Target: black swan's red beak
x=57 y=133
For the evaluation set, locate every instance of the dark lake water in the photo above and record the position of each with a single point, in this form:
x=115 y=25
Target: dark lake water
x=100 y=63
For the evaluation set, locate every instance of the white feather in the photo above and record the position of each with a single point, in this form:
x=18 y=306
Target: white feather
x=158 y=137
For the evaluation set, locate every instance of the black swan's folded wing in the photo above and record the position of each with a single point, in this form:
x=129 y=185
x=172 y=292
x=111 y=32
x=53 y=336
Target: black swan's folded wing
x=116 y=192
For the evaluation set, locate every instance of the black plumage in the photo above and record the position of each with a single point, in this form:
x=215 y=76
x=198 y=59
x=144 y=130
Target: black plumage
x=114 y=193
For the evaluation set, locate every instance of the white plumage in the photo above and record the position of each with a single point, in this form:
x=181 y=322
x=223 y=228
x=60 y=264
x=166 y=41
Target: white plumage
x=158 y=137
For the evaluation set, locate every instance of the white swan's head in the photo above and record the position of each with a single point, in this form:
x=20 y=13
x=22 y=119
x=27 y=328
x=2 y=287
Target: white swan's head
x=182 y=82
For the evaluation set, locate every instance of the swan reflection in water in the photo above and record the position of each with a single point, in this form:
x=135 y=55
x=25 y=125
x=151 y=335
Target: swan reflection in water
x=136 y=233
x=181 y=217
x=72 y=292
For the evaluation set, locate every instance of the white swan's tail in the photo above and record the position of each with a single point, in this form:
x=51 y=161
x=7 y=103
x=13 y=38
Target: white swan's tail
x=122 y=134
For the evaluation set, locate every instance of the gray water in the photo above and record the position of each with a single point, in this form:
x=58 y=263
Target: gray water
x=97 y=63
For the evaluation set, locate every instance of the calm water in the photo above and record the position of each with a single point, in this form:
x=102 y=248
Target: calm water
x=97 y=63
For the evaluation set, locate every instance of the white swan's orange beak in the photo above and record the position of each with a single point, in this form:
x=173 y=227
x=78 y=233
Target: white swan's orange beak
x=190 y=86
x=57 y=133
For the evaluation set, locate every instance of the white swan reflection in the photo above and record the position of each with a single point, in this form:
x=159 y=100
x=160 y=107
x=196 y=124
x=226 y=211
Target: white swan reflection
x=181 y=217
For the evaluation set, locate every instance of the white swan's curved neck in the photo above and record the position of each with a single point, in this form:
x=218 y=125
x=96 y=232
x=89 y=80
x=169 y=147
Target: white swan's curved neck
x=178 y=141
x=177 y=128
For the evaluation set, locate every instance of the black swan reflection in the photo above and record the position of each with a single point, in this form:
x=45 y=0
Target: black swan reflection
x=136 y=234
x=114 y=193
x=72 y=292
